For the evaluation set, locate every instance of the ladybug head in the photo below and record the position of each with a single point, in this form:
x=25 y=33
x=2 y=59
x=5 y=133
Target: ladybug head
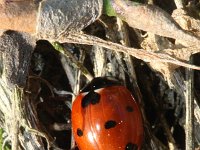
x=100 y=82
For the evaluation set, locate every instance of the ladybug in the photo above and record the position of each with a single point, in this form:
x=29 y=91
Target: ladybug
x=106 y=116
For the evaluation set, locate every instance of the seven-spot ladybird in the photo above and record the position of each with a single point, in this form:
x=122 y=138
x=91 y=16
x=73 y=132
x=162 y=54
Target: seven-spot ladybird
x=105 y=116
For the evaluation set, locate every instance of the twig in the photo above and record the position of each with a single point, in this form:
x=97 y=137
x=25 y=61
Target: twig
x=138 y=53
x=189 y=96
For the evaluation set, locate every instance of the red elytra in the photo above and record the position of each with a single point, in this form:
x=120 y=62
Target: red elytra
x=107 y=118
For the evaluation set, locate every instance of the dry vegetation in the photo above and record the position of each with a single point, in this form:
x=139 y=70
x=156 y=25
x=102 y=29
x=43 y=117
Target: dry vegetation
x=38 y=82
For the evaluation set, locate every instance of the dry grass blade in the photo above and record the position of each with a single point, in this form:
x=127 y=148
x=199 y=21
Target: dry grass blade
x=189 y=97
x=138 y=53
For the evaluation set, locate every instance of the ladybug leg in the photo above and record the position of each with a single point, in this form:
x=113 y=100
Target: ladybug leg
x=61 y=126
x=63 y=93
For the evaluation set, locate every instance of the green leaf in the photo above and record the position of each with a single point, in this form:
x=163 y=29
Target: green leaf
x=108 y=9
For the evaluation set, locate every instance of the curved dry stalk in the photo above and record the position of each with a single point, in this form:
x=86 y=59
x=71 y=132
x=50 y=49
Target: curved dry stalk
x=45 y=82
x=147 y=56
x=37 y=133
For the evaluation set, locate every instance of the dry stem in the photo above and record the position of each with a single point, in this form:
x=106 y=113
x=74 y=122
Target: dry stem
x=144 y=55
x=189 y=97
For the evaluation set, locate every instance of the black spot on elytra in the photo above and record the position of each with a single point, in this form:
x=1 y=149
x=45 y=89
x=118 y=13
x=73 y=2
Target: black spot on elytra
x=129 y=108
x=91 y=98
x=79 y=132
x=131 y=146
x=110 y=124
x=100 y=82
